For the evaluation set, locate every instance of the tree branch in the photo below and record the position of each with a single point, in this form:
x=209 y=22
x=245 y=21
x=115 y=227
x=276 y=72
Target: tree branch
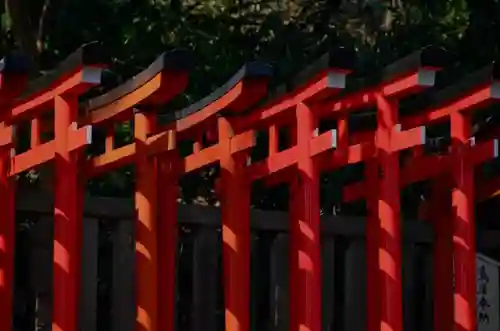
x=41 y=25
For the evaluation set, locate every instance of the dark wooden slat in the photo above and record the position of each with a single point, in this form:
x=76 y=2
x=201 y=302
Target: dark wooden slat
x=207 y=247
x=88 y=289
x=119 y=208
x=41 y=270
x=123 y=311
x=355 y=287
x=328 y=282
x=425 y=254
x=279 y=284
x=409 y=307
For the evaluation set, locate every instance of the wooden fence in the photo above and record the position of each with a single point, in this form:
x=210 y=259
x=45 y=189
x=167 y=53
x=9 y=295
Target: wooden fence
x=107 y=301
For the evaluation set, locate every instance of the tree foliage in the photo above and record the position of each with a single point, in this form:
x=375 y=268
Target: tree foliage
x=225 y=33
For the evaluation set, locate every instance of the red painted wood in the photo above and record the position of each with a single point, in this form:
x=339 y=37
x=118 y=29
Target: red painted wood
x=167 y=239
x=305 y=230
x=425 y=167
x=372 y=245
x=235 y=207
x=145 y=232
x=389 y=226
x=464 y=245
x=7 y=238
x=66 y=221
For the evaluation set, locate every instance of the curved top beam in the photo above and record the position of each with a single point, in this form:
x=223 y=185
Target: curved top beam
x=342 y=60
x=319 y=80
x=431 y=108
x=431 y=58
x=470 y=92
x=240 y=92
x=178 y=60
x=90 y=54
x=477 y=79
x=78 y=72
x=166 y=77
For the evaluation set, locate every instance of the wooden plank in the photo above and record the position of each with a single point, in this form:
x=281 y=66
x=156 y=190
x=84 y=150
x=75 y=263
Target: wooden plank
x=328 y=282
x=355 y=287
x=122 y=297
x=119 y=208
x=88 y=287
x=41 y=254
x=41 y=270
x=259 y=268
x=409 y=295
x=425 y=255
x=279 y=283
x=207 y=248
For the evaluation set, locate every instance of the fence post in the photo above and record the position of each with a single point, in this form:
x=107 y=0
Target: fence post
x=205 y=280
x=389 y=252
x=122 y=300
x=279 y=284
x=354 y=288
x=464 y=243
x=440 y=216
x=305 y=294
x=235 y=205
x=89 y=262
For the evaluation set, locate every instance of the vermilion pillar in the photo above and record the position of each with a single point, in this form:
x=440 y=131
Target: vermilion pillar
x=294 y=213
x=464 y=243
x=167 y=170
x=7 y=238
x=389 y=227
x=305 y=295
x=235 y=206
x=372 y=246
x=440 y=216
x=146 y=231
x=66 y=220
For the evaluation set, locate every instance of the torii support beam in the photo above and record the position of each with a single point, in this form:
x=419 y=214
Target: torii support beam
x=156 y=179
x=244 y=89
x=405 y=77
x=13 y=76
x=386 y=287
x=59 y=90
x=464 y=229
x=455 y=102
x=323 y=79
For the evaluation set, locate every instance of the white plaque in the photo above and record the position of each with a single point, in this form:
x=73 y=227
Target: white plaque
x=488 y=307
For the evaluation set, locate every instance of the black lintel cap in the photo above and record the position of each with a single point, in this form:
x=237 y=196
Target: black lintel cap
x=344 y=58
x=178 y=59
x=429 y=56
x=88 y=54
x=15 y=63
x=472 y=80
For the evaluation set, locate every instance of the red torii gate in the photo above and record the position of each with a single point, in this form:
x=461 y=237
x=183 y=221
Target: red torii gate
x=59 y=91
x=453 y=103
x=230 y=113
x=13 y=77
